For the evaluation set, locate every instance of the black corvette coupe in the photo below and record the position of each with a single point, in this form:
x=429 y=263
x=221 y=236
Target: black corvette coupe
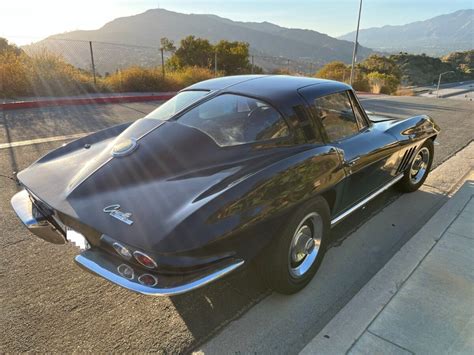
x=229 y=170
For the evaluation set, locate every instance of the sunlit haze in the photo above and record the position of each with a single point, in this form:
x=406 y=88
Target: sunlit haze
x=23 y=22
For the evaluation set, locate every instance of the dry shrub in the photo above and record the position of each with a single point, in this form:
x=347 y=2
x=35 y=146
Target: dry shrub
x=41 y=74
x=136 y=79
x=405 y=92
x=188 y=76
x=45 y=74
x=14 y=77
x=50 y=75
x=151 y=79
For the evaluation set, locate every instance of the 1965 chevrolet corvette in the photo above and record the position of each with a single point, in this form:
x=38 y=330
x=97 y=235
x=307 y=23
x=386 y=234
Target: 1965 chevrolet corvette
x=228 y=171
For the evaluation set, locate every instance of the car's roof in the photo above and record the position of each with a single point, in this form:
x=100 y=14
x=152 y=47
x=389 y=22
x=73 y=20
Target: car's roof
x=271 y=87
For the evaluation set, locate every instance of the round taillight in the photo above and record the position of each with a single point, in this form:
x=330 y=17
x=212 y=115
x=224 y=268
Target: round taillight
x=122 y=251
x=126 y=271
x=145 y=260
x=148 y=280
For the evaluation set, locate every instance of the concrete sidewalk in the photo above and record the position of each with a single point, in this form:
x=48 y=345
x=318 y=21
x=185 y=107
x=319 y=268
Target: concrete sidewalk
x=422 y=300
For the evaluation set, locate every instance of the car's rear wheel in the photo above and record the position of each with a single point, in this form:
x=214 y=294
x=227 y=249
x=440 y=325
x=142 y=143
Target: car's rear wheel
x=419 y=168
x=293 y=258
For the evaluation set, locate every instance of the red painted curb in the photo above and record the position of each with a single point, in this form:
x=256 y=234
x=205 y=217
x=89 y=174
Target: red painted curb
x=83 y=101
x=366 y=93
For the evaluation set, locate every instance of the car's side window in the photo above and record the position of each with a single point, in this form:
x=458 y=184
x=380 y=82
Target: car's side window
x=336 y=115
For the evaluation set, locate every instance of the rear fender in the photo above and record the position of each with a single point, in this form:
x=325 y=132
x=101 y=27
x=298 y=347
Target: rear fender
x=251 y=212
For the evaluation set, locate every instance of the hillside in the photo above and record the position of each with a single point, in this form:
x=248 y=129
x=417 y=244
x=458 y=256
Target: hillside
x=424 y=70
x=437 y=36
x=147 y=28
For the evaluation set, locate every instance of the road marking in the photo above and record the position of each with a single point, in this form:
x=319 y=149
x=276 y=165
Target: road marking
x=42 y=140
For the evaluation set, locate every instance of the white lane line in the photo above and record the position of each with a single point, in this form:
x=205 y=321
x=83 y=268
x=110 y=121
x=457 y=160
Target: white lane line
x=42 y=140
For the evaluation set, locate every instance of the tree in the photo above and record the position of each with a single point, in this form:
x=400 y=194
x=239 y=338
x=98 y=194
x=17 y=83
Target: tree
x=380 y=64
x=167 y=45
x=7 y=47
x=233 y=57
x=334 y=71
x=192 y=52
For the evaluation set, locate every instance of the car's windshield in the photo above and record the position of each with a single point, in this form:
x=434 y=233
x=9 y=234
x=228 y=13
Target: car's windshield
x=233 y=119
x=176 y=104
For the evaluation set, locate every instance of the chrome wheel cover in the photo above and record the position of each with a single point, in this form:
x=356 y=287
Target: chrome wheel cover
x=419 y=165
x=305 y=245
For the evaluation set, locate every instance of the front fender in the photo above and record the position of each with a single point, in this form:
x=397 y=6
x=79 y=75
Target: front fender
x=414 y=128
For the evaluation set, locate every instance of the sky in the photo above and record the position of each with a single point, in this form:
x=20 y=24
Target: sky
x=23 y=22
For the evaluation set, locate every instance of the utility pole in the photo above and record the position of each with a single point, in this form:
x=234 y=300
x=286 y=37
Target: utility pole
x=92 y=62
x=162 y=62
x=439 y=81
x=354 y=53
x=288 y=66
x=252 y=66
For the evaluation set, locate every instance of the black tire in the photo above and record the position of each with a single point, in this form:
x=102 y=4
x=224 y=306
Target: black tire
x=275 y=266
x=408 y=183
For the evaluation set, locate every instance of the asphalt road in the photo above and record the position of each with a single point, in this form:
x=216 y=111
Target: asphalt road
x=48 y=304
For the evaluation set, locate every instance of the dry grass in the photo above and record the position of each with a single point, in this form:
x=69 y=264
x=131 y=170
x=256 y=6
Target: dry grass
x=404 y=92
x=42 y=74
x=47 y=74
x=151 y=79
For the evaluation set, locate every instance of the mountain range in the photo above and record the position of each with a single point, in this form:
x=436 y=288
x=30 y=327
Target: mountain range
x=271 y=45
x=437 y=36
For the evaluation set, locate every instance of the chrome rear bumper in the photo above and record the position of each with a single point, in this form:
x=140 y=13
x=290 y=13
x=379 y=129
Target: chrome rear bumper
x=34 y=220
x=109 y=268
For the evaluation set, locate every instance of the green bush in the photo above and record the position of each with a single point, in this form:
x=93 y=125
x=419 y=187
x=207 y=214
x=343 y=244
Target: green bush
x=334 y=71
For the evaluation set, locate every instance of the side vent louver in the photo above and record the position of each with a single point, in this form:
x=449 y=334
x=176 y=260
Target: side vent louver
x=407 y=156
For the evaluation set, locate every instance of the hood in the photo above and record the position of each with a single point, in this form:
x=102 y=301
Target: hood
x=173 y=171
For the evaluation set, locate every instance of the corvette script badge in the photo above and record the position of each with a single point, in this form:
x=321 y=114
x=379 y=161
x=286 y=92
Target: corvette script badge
x=114 y=211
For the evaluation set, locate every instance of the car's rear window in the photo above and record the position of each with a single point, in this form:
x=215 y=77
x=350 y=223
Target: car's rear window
x=176 y=104
x=233 y=119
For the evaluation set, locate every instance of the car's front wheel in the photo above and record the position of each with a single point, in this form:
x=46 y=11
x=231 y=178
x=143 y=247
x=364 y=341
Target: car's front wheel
x=419 y=168
x=295 y=256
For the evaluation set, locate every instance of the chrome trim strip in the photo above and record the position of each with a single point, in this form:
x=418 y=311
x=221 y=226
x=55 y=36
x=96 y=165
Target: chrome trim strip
x=343 y=215
x=154 y=291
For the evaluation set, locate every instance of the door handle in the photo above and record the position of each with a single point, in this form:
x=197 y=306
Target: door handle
x=351 y=162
